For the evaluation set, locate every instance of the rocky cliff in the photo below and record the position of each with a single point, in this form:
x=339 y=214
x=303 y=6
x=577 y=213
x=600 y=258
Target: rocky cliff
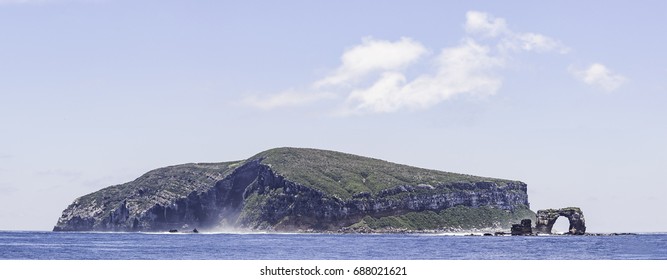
x=291 y=189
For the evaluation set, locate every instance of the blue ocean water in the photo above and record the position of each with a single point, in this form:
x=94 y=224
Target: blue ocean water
x=228 y=246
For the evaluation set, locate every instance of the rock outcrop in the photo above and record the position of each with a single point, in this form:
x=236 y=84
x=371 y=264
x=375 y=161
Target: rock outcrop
x=524 y=228
x=547 y=218
x=283 y=189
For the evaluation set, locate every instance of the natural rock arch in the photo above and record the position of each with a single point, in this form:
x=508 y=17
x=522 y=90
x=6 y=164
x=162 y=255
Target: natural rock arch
x=547 y=218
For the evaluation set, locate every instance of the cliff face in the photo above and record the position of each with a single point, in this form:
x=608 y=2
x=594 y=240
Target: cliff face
x=288 y=190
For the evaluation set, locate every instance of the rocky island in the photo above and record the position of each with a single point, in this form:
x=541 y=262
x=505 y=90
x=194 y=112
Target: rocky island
x=301 y=190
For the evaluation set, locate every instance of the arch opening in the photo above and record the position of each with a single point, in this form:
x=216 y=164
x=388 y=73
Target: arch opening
x=561 y=226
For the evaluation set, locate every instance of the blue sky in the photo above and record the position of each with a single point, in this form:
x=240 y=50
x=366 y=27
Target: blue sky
x=568 y=97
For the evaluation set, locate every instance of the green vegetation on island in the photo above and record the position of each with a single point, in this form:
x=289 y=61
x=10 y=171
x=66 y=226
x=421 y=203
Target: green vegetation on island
x=458 y=218
x=344 y=175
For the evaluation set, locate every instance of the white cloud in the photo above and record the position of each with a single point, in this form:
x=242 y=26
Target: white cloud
x=600 y=76
x=385 y=95
x=372 y=76
x=480 y=23
x=465 y=69
x=468 y=69
x=287 y=98
x=538 y=43
x=485 y=24
x=373 y=55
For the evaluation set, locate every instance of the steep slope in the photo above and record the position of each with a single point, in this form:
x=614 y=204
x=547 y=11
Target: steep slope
x=293 y=189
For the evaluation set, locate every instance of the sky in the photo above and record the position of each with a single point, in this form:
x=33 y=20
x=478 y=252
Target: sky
x=566 y=96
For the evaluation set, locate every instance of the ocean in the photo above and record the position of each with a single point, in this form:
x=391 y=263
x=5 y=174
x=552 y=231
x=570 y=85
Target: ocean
x=31 y=245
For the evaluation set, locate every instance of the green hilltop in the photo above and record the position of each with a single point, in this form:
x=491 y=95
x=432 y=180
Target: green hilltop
x=344 y=175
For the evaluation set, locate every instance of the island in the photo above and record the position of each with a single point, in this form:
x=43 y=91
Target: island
x=301 y=190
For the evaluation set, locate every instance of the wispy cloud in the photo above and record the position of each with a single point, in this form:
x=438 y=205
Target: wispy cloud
x=467 y=68
x=470 y=68
x=599 y=76
x=480 y=23
x=487 y=26
x=371 y=56
x=373 y=76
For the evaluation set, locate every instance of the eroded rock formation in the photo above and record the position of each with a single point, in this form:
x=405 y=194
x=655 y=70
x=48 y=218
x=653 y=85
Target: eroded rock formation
x=547 y=218
x=524 y=228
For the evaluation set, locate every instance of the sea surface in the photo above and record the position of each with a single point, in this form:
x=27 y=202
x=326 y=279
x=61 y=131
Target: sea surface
x=21 y=245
